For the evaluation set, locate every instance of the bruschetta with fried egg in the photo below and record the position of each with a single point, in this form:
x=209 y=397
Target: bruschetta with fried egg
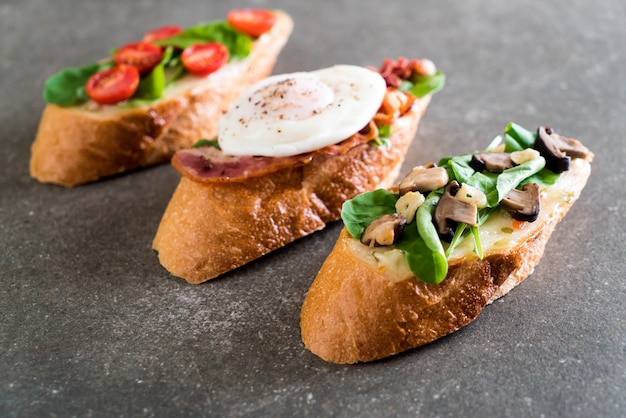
x=152 y=97
x=290 y=150
x=421 y=259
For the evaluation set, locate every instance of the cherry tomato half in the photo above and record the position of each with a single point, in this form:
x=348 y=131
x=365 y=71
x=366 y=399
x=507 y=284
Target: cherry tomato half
x=162 y=33
x=113 y=85
x=203 y=59
x=253 y=22
x=142 y=55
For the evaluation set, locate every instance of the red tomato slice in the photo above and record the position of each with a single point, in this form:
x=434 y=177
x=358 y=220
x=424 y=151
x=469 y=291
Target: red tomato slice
x=162 y=33
x=253 y=22
x=203 y=59
x=113 y=85
x=142 y=55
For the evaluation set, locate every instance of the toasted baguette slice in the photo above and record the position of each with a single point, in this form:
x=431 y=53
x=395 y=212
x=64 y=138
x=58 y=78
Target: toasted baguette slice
x=211 y=228
x=364 y=305
x=80 y=144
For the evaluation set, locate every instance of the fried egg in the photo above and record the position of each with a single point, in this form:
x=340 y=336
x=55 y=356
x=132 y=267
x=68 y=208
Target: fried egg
x=294 y=113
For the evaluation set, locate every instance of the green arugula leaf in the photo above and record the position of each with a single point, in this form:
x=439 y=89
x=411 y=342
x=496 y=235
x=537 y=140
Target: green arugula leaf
x=67 y=87
x=359 y=212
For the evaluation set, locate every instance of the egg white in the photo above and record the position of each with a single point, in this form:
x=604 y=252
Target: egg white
x=291 y=114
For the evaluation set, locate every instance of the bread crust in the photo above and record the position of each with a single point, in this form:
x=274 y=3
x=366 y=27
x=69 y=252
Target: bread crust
x=353 y=313
x=211 y=228
x=75 y=145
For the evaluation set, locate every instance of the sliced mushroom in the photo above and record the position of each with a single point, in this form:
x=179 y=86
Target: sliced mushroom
x=556 y=160
x=523 y=204
x=424 y=179
x=450 y=210
x=493 y=162
x=384 y=230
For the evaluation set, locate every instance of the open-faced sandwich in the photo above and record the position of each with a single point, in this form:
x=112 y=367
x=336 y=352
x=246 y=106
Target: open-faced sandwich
x=290 y=151
x=152 y=97
x=422 y=259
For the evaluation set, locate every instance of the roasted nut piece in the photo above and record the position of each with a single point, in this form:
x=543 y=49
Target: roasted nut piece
x=384 y=230
x=524 y=204
x=493 y=162
x=424 y=179
x=450 y=210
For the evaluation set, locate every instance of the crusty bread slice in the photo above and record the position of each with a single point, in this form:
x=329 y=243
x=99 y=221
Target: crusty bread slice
x=357 y=310
x=80 y=144
x=211 y=228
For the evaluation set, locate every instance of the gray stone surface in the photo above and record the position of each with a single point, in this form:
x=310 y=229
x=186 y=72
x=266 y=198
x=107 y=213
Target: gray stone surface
x=91 y=325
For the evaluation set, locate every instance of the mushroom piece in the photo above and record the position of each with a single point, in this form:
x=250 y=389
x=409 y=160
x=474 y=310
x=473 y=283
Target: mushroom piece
x=523 y=204
x=384 y=230
x=451 y=210
x=493 y=162
x=424 y=179
x=556 y=160
x=558 y=150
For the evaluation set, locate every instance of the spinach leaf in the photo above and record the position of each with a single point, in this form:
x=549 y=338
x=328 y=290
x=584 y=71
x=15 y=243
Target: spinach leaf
x=359 y=212
x=207 y=143
x=478 y=249
x=461 y=169
x=67 y=87
x=545 y=177
x=384 y=133
x=151 y=86
x=238 y=44
x=511 y=178
x=517 y=138
x=420 y=85
x=485 y=182
x=421 y=244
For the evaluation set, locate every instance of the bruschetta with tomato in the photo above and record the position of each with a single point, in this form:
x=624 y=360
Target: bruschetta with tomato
x=422 y=259
x=289 y=152
x=152 y=97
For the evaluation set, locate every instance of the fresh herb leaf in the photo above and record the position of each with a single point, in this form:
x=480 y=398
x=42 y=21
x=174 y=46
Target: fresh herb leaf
x=207 y=143
x=421 y=244
x=238 y=44
x=151 y=86
x=478 y=249
x=545 y=177
x=384 y=133
x=510 y=178
x=517 y=138
x=67 y=87
x=359 y=212
x=458 y=237
x=421 y=86
x=461 y=169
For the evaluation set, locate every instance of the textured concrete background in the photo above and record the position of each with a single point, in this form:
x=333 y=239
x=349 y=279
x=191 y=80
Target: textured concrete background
x=91 y=325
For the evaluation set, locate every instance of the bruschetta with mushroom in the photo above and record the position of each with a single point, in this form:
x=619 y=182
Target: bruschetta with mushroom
x=421 y=259
x=152 y=97
x=289 y=152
